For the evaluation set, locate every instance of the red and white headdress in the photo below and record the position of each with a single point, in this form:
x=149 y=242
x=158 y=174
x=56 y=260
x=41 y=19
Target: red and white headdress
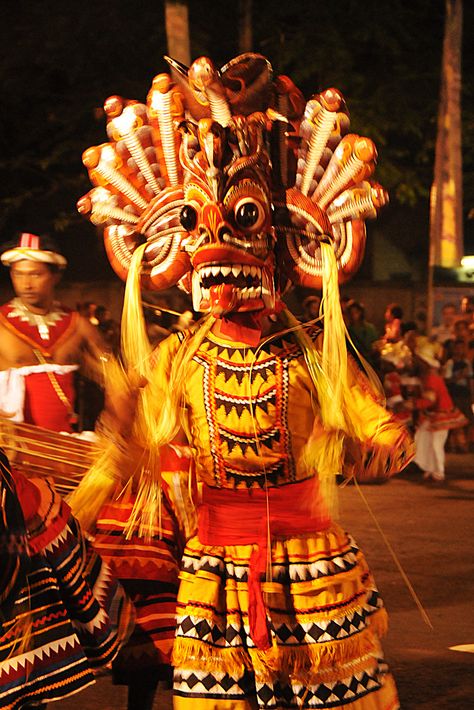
x=29 y=248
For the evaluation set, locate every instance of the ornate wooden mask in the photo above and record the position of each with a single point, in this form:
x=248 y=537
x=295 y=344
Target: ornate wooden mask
x=233 y=182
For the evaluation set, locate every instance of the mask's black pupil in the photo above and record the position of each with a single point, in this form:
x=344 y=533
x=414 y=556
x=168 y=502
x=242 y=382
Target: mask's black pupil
x=247 y=215
x=188 y=218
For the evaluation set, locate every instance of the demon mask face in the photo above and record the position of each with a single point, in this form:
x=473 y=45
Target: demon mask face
x=233 y=182
x=227 y=215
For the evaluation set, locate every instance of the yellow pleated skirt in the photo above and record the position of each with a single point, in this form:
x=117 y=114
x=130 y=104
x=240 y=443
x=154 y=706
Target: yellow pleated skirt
x=325 y=618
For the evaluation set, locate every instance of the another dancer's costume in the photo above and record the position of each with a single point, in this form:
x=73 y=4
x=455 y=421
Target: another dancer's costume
x=228 y=184
x=63 y=615
x=436 y=416
x=148 y=569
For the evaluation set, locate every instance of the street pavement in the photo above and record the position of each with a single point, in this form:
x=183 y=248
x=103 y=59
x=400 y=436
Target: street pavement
x=429 y=528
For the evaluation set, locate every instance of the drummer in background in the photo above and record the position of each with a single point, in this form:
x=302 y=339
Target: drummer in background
x=42 y=342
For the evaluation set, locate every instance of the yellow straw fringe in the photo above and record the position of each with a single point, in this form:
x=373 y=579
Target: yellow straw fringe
x=329 y=372
x=378 y=622
x=156 y=422
x=136 y=347
x=112 y=462
x=23 y=630
x=301 y=663
x=334 y=360
x=339 y=403
x=96 y=488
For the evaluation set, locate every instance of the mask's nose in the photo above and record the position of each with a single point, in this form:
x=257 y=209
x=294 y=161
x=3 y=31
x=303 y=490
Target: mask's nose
x=213 y=224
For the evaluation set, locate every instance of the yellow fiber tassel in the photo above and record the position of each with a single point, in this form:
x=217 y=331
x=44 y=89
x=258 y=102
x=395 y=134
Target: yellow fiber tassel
x=329 y=372
x=334 y=359
x=303 y=664
x=22 y=631
x=324 y=453
x=136 y=348
x=191 y=653
x=378 y=623
x=145 y=516
x=96 y=488
x=112 y=460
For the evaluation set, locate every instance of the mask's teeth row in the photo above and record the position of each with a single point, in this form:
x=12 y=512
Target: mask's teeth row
x=262 y=290
x=244 y=293
x=252 y=292
x=227 y=269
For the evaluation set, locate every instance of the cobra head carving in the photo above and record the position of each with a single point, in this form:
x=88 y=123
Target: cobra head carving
x=233 y=182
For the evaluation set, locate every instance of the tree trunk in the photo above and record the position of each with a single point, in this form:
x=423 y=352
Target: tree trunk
x=446 y=205
x=446 y=194
x=177 y=30
x=245 y=26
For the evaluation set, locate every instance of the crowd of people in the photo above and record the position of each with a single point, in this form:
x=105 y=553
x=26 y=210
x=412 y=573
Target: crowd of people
x=427 y=377
x=399 y=354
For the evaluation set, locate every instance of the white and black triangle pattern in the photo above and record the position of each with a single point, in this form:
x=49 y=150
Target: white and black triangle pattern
x=225 y=636
x=206 y=562
x=323 y=695
x=237 y=635
x=202 y=684
x=323 y=567
x=194 y=684
x=225 y=569
x=324 y=631
x=373 y=603
x=287 y=573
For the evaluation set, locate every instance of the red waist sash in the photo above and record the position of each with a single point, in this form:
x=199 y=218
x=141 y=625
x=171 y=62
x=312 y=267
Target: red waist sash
x=251 y=517
x=43 y=407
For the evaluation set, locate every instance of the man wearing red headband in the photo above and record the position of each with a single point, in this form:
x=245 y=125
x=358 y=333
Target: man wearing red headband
x=41 y=341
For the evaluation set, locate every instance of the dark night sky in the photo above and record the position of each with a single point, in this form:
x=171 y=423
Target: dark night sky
x=62 y=59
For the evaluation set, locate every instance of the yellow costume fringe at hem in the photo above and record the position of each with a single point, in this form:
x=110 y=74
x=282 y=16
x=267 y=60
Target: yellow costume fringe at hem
x=301 y=663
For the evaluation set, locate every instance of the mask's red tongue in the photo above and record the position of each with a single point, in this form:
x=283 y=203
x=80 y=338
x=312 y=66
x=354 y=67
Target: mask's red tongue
x=223 y=299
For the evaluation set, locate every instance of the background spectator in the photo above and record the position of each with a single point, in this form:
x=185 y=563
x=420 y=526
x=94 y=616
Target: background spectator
x=436 y=416
x=445 y=331
x=458 y=376
x=42 y=342
x=363 y=333
x=108 y=328
x=393 y=323
x=467 y=310
x=311 y=306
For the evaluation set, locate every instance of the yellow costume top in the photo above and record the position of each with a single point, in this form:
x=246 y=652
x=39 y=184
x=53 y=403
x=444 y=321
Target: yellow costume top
x=249 y=413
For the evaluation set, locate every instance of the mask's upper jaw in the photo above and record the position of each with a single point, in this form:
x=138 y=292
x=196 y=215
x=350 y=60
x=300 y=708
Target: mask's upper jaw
x=226 y=279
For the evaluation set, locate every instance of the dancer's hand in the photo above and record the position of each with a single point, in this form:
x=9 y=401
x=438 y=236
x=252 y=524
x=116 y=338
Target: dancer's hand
x=121 y=397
